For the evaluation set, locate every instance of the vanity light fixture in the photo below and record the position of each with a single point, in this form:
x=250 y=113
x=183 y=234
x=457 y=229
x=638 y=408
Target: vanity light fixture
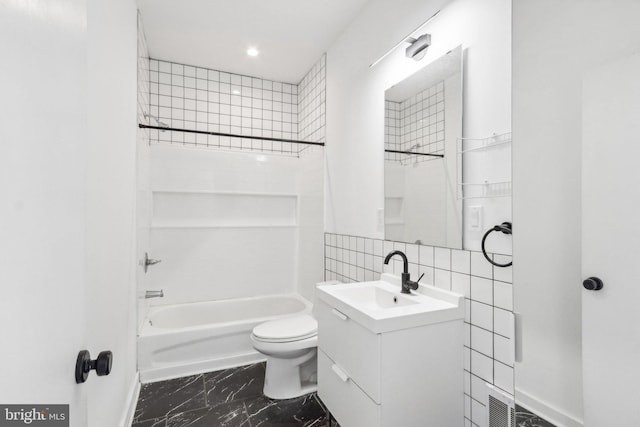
x=418 y=47
x=252 y=51
x=409 y=39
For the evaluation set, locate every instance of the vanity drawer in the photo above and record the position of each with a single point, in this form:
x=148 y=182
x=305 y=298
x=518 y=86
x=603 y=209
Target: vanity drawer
x=344 y=399
x=351 y=346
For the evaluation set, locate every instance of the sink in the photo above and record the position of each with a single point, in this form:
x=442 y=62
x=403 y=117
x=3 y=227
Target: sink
x=381 y=307
x=373 y=297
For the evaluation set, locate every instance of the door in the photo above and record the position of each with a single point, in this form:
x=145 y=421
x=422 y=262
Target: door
x=611 y=239
x=67 y=204
x=42 y=221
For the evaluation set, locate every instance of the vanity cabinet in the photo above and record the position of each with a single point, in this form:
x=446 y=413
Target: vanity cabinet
x=408 y=377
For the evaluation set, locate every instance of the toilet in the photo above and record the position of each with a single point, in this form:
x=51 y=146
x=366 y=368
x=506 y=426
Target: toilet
x=290 y=345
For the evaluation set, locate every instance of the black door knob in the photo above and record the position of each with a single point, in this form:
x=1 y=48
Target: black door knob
x=593 y=284
x=103 y=363
x=84 y=365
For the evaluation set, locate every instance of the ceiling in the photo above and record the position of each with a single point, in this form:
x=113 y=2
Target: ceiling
x=290 y=35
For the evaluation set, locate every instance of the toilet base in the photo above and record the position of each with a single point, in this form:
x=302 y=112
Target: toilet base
x=289 y=378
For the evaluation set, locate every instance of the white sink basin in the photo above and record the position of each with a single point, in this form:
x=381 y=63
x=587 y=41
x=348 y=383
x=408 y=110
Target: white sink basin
x=381 y=307
x=373 y=297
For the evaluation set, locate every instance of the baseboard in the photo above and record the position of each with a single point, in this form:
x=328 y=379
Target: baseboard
x=546 y=411
x=132 y=398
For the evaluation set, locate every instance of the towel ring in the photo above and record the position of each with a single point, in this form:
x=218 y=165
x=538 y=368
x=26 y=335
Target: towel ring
x=505 y=228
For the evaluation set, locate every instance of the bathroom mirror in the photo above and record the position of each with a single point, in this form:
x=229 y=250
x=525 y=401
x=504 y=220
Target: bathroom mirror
x=423 y=120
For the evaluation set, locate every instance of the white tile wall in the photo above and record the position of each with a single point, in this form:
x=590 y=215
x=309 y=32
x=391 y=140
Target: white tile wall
x=188 y=97
x=488 y=349
x=311 y=103
x=416 y=124
x=392 y=130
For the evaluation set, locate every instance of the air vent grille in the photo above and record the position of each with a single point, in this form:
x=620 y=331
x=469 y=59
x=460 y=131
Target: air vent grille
x=498 y=413
x=501 y=409
x=512 y=416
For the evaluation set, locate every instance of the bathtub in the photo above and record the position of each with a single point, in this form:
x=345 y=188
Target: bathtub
x=186 y=339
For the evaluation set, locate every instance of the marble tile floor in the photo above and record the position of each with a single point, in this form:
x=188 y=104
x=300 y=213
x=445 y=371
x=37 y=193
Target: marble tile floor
x=525 y=418
x=227 y=398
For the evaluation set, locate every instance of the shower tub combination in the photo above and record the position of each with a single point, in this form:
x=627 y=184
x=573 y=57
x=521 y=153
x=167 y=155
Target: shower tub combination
x=186 y=339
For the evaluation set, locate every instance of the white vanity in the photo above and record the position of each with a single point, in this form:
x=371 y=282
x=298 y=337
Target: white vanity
x=387 y=359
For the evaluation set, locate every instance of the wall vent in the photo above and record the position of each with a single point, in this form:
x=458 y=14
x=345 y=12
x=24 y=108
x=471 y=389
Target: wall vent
x=501 y=411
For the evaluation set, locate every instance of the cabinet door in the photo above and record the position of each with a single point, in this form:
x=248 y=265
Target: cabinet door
x=351 y=406
x=610 y=236
x=353 y=347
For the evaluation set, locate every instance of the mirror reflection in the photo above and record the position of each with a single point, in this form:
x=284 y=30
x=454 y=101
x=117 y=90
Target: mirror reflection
x=423 y=119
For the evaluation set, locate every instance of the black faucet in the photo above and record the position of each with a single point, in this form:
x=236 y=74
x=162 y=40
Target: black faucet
x=407 y=285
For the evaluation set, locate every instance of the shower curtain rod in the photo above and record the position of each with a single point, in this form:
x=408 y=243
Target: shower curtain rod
x=204 y=132
x=411 y=152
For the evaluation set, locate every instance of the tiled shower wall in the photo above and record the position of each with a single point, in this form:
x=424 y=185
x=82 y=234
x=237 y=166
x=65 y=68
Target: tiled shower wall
x=416 y=124
x=194 y=98
x=311 y=103
x=392 y=131
x=488 y=347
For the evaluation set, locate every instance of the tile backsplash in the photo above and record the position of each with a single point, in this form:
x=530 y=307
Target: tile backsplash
x=489 y=331
x=188 y=97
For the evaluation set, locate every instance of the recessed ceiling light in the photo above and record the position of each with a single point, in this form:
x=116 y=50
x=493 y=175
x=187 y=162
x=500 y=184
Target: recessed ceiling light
x=252 y=51
x=235 y=92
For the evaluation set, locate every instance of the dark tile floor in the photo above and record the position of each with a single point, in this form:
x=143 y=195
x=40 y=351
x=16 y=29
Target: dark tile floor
x=228 y=398
x=525 y=418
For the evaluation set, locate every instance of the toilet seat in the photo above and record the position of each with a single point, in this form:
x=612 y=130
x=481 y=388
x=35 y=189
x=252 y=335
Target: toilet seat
x=290 y=329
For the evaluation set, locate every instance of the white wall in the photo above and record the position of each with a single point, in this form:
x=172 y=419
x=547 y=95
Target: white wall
x=553 y=44
x=426 y=185
x=143 y=174
x=415 y=199
x=110 y=205
x=310 y=251
x=227 y=225
x=355 y=97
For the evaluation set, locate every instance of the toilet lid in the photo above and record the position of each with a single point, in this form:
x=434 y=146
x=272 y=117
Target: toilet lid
x=288 y=329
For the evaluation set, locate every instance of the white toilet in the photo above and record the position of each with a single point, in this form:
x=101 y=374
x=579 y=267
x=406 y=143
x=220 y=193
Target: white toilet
x=290 y=345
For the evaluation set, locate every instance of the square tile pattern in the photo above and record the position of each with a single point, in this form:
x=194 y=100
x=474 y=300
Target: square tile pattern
x=415 y=124
x=488 y=349
x=227 y=398
x=188 y=97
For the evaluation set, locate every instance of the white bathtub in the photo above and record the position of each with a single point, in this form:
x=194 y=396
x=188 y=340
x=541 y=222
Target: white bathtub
x=186 y=339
